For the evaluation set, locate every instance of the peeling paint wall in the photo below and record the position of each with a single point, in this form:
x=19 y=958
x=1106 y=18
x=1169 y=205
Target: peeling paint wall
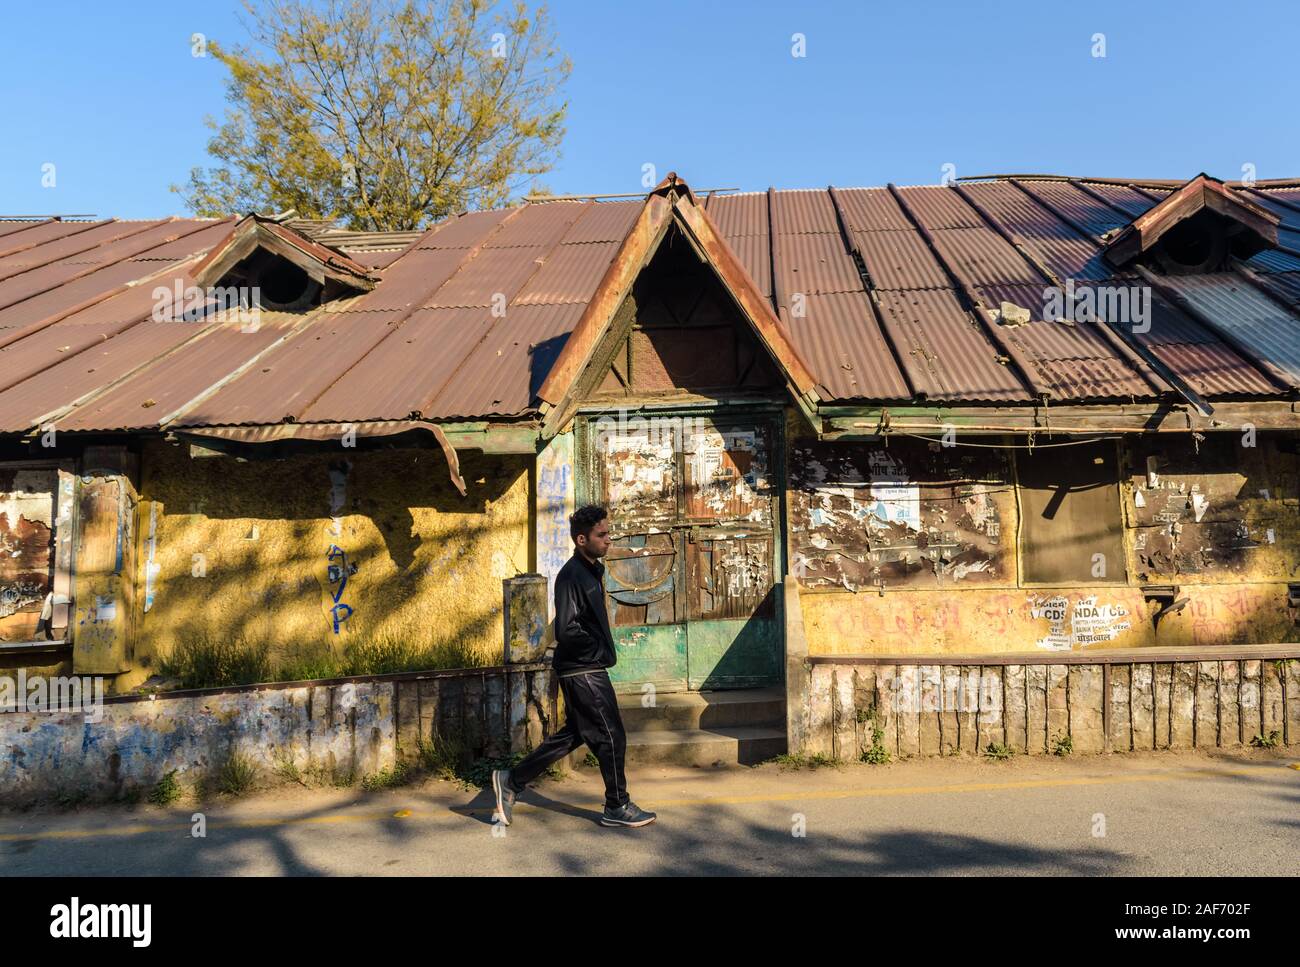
x=324 y=550
x=911 y=548
x=28 y=498
x=343 y=729
x=555 y=488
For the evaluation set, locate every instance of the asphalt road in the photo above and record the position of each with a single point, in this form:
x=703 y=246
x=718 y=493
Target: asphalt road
x=1154 y=814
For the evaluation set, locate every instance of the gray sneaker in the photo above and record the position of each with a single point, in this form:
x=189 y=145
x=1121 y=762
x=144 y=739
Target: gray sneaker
x=505 y=794
x=627 y=815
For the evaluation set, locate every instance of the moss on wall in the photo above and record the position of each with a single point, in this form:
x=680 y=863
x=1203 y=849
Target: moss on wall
x=242 y=550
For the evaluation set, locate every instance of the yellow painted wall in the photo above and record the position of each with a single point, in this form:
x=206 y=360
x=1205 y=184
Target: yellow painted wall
x=1244 y=605
x=242 y=548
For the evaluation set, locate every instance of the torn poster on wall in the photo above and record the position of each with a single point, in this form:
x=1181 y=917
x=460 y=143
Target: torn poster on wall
x=865 y=515
x=1207 y=508
x=1087 y=622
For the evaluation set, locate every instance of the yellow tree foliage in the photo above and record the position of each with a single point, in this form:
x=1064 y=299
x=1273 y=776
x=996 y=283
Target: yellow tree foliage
x=384 y=114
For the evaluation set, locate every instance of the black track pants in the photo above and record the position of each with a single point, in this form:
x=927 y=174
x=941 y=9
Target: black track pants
x=590 y=717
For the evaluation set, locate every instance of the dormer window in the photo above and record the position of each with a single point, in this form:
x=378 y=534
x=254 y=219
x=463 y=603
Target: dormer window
x=1195 y=230
x=288 y=271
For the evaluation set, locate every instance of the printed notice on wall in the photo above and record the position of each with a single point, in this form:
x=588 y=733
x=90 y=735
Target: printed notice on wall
x=1089 y=621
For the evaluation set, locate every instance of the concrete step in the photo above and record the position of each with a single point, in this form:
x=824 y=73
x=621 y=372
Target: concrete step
x=674 y=711
x=731 y=745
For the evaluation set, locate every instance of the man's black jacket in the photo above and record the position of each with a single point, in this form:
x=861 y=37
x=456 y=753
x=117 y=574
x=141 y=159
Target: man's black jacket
x=582 y=637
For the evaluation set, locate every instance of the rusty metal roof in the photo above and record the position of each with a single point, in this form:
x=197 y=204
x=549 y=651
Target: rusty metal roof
x=882 y=291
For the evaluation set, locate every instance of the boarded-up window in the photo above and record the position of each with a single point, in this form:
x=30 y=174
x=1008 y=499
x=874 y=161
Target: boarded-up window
x=1071 y=530
x=27 y=549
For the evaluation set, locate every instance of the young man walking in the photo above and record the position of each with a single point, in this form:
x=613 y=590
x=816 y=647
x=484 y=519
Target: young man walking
x=584 y=650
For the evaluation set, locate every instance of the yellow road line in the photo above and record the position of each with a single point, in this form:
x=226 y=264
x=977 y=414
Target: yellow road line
x=866 y=792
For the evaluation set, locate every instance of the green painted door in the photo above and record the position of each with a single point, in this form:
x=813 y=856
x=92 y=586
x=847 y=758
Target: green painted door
x=690 y=579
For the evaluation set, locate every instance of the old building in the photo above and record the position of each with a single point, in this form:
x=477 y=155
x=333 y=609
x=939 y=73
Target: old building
x=858 y=444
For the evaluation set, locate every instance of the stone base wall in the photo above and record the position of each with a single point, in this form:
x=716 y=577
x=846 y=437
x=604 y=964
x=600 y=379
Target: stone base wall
x=350 y=727
x=849 y=705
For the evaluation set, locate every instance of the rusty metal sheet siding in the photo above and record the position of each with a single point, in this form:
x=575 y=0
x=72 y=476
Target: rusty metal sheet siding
x=1079 y=207
x=1129 y=199
x=945 y=353
x=39 y=350
x=741 y=214
x=466 y=231
x=168 y=383
x=419 y=357
x=503 y=374
x=606 y=221
x=72 y=378
x=1071 y=257
x=872 y=210
x=816 y=264
x=287 y=379
x=134 y=304
x=41 y=233
x=142 y=244
x=82 y=244
x=570 y=273
x=18 y=287
x=801 y=212
x=193 y=244
x=69 y=295
x=493 y=275
x=1010 y=207
x=983 y=256
x=1075 y=360
x=1289 y=217
x=542 y=224
x=900 y=260
x=938 y=207
x=1273 y=261
x=1288 y=282
x=11 y=226
x=755 y=254
x=1255 y=319
x=842 y=342
x=1210 y=366
x=1212 y=369
x=410 y=281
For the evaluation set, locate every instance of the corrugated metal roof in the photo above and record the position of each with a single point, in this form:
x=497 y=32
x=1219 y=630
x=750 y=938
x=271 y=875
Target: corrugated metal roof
x=569 y=274
x=755 y=254
x=801 y=212
x=900 y=260
x=75 y=301
x=1091 y=215
x=1255 y=319
x=940 y=207
x=503 y=373
x=1075 y=360
x=872 y=210
x=983 y=256
x=945 y=354
x=739 y=214
x=852 y=360
x=815 y=263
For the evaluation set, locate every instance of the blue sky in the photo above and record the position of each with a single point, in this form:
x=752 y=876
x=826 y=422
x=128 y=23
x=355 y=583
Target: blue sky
x=111 y=95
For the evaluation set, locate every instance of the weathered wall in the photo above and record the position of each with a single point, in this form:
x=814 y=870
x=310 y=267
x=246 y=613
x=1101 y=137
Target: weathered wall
x=319 y=551
x=946 y=709
x=342 y=729
x=911 y=548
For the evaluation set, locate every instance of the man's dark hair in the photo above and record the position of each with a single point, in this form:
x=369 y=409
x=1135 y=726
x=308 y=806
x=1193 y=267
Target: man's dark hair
x=582 y=520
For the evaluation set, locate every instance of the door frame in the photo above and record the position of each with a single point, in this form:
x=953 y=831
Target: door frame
x=587 y=479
